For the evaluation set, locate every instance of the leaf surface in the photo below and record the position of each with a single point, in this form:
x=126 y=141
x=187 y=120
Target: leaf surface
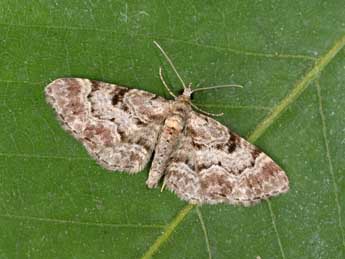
x=56 y=202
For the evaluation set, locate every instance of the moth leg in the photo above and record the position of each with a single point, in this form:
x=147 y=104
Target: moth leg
x=167 y=142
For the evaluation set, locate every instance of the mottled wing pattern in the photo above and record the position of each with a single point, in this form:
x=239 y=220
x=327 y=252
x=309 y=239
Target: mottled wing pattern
x=215 y=165
x=118 y=126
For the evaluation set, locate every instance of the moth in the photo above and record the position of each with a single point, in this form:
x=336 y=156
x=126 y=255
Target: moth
x=201 y=160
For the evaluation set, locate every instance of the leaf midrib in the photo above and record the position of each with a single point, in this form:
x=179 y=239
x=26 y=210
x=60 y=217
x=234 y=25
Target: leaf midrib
x=259 y=130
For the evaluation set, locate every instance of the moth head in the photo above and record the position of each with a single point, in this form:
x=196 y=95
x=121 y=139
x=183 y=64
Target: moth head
x=187 y=91
x=185 y=95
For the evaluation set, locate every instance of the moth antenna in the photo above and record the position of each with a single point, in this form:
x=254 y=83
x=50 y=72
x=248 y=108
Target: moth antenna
x=205 y=112
x=170 y=63
x=165 y=84
x=215 y=87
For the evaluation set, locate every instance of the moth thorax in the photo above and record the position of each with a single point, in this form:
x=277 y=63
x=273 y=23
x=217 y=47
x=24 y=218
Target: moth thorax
x=175 y=122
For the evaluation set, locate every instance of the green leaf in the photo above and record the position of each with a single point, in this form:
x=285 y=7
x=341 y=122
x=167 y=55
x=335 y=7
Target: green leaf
x=56 y=202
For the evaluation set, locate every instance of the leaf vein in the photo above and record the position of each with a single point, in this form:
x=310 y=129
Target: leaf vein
x=244 y=52
x=168 y=231
x=330 y=163
x=273 y=218
x=151 y=36
x=38 y=156
x=297 y=90
x=225 y=106
x=74 y=222
x=203 y=226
